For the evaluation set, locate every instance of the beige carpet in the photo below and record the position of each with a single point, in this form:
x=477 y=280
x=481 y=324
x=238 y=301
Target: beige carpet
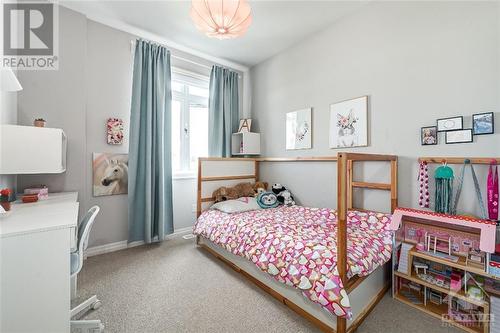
x=177 y=287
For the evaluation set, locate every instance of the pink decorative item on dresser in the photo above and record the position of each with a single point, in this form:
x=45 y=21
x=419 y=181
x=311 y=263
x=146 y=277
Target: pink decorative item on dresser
x=492 y=191
x=42 y=192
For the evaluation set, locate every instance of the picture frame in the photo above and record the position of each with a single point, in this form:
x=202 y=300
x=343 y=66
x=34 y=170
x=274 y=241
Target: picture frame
x=299 y=129
x=114 y=131
x=483 y=123
x=459 y=136
x=109 y=174
x=428 y=136
x=450 y=124
x=349 y=123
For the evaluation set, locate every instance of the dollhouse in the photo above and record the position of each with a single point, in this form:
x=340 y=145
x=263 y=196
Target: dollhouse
x=446 y=269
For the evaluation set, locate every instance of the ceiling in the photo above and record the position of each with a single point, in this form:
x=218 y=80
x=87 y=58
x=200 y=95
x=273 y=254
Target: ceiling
x=276 y=25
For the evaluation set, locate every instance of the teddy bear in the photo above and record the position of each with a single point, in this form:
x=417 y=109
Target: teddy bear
x=224 y=193
x=231 y=193
x=283 y=194
x=260 y=187
x=245 y=190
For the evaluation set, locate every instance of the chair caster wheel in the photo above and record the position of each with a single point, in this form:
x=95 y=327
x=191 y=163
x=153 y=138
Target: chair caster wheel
x=96 y=305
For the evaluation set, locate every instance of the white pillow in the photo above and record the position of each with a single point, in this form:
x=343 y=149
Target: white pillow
x=243 y=204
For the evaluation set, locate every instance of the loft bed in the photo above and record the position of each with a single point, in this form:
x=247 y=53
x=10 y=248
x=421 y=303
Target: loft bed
x=364 y=292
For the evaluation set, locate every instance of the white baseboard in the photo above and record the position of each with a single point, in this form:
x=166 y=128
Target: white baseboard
x=180 y=232
x=121 y=245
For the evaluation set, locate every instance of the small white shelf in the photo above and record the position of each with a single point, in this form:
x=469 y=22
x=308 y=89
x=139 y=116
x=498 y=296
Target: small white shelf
x=245 y=143
x=32 y=150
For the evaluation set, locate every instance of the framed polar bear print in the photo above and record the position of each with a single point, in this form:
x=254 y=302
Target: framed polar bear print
x=349 y=123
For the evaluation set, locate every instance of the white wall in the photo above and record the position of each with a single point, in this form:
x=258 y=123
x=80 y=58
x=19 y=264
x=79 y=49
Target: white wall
x=418 y=61
x=109 y=85
x=93 y=83
x=60 y=97
x=8 y=115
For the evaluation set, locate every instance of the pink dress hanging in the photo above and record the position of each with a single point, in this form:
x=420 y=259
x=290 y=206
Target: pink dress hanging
x=492 y=191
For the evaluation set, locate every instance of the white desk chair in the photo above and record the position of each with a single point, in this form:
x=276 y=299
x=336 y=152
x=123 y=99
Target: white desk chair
x=93 y=326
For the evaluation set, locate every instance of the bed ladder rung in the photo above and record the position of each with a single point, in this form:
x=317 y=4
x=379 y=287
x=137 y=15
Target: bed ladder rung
x=373 y=186
x=211 y=179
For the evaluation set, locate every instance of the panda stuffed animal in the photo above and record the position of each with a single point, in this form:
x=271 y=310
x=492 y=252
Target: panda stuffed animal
x=284 y=195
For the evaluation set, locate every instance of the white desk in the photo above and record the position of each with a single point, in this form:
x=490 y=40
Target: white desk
x=35 y=242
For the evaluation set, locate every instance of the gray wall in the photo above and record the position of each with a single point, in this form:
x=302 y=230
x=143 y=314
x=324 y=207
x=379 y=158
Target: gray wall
x=60 y=97
x=417 y=62
x=92 y=84
x=8 y=115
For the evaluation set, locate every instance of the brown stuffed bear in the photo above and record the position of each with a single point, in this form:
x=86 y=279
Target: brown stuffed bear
x=260 y=187
x=235 y=192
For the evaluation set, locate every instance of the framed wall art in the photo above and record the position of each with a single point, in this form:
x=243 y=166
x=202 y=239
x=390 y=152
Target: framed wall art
x=110 y=174
x=428 y=136
x=114 y=128
x=483 y=123
x=459 y=136
x=450 y=124
x=299 y=129
x=349 y=123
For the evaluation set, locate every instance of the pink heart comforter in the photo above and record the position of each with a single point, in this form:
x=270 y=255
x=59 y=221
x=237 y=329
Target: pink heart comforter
x=298 y=246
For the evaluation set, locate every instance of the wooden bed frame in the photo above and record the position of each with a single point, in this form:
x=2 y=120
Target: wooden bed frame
x=345 y=189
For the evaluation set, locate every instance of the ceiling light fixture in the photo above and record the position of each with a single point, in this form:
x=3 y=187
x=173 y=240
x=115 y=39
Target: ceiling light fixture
x=222 y=19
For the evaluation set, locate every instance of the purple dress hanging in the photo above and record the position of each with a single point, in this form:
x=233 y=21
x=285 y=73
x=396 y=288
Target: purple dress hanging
x=492 y=191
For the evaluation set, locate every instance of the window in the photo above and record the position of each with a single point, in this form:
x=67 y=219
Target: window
x=189 y=121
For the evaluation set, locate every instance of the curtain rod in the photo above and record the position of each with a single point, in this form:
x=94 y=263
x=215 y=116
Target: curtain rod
x=132 y=45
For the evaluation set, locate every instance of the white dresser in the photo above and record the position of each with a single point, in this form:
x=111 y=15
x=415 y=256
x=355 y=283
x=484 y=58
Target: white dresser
x=35 y=243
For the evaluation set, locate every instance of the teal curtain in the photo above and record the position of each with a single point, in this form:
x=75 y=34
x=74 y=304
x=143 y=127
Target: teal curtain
x=223 y=111
x=150 y=165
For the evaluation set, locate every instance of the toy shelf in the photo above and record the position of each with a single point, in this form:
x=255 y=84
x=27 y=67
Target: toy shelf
x=245 y=143
x=416 y=299
x=460 y=294
x=438 y=311
x=460 y=264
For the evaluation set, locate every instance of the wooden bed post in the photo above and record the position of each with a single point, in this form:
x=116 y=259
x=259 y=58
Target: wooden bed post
x=350 y=194
x=342 y=198
x=256 y=170
x=198 y=199
x=394 y=185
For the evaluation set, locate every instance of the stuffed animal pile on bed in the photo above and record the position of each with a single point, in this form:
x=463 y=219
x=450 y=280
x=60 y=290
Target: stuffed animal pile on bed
x=279 y=195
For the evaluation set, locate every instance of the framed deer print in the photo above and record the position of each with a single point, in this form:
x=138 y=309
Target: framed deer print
x=349 y=123
x=110 y=174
